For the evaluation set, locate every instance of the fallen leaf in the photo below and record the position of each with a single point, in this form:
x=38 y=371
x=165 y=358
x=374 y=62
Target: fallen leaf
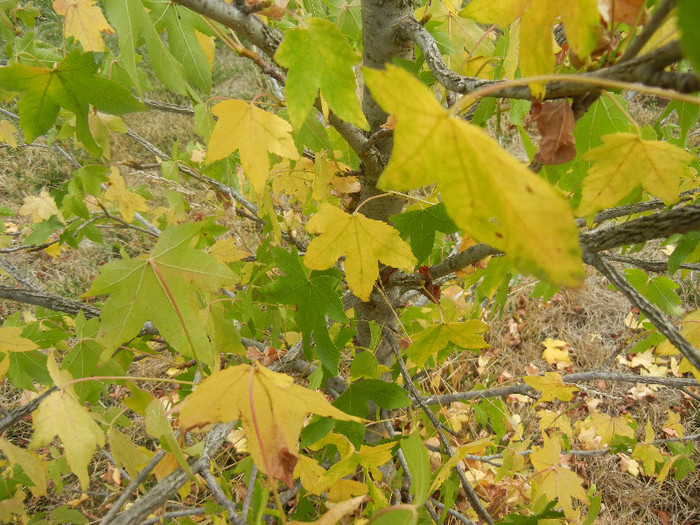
x=556 y=352
x=555 y=124
x=552 y=387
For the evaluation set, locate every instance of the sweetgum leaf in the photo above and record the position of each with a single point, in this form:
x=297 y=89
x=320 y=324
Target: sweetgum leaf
x=363 y=241
x=163 y=288
x=72 y=84
x=272 y=410
x=487 y=192
x=315 y=296
x=320 y=58
x=420 y=226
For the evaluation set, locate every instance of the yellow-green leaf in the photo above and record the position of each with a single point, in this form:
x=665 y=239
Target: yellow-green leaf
x=486 y=191
x=580 y=18
x=85 y=21
x=62 y=415
x=320 y=58
x=363 y=241
x=254 y=133
x=11 y=340
x=552 y=387
x=129 y=202
x=433 y=339
x=625 y=161
x=31 y=464
x=553 y=480
x=271 y=407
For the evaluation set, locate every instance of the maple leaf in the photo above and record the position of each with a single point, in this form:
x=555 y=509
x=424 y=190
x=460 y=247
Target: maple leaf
x=226 y=251
x=421 y=225
x=555 y=124
x=85 y=21
x=40 y=208
x=486 y=191
x=272 y=410
x=61 y=414
x=162 y=288
x=31 y=464
x=316 y=297
x=608 y=427
x=7 y=133
x=552 y=387
x=329 y=68
x=253 y=132
x=648 y=453
x=133 y=25
x=363 y=241
x=73 y=85
x=11 y=340
x=556 y=352
x=553 y=480
x=625 y=161
x=128 y=201
x=580 y=19
x=430 y=341
x=294 y=182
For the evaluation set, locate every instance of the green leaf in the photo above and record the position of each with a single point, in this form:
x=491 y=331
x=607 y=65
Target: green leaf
x=386 y=395
x=181 y=24
x=320 y=58
x=688 y=22
x=315 y=295
x=687 y=247
x=659 y=290
x=418 y=466
x=420 y=226
x=163 y=288
x=510 y=208
x=435 y=338
x=131 y=22
x=73 y=85
x=395 y=515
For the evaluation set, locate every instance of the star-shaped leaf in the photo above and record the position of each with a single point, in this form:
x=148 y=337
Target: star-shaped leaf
x=129 y=202
x=254 y=133
x=420 y=226
x=271 y=407
x=435 y=338
x=62 y=415
x=163 y=288
x=72 y=84
x=580 y=18
x=625 y=161
x=486 y=191
x=363 y=241
x=552 y=387
x=85 y=21
x=553 y=480
x=315 y=296
x=320 y=58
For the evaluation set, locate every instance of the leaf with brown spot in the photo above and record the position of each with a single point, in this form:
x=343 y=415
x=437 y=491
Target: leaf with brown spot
x=555 y=123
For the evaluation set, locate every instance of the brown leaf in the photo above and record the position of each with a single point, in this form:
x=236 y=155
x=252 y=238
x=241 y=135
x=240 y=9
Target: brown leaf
x=625 y=11
x=555 y=123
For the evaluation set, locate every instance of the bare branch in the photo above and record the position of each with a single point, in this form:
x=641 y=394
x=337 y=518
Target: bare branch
x=523 y=388
x=216 y=489
x=650 y=266
x=47 y=300
x=17 y=275
x=652 y=312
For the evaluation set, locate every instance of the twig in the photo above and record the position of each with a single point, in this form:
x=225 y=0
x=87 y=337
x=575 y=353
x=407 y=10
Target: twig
x=649 y=310
x=132 y=487
x=215 y=488
x=175 y=514
x=16 y=274
x=124 y=474
x=651 y=266
x=21 y=412
x=47 y=300
x=250 y=489
x=472 y=497
x=460 y=517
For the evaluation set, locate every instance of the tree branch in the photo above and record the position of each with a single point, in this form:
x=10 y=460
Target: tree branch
x=647 y=69
x=47 y=300
x=24 y=410
x=650 y=266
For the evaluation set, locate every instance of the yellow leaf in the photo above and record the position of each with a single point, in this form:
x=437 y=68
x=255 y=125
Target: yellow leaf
x=31 y=464
x=550 y=419
x=272 y=410
x=580 y=19
x=208 y=46
x=7 y=133
x=553 y=480
x=62 y=415
x=556 y=352
x=608 y=427
x=552 y=387
x=54 y=249
x=40 y=208
x=475 y=447
x=486 y=191
x=625 y=161
x=673 y=422
x=363 y=241
x=11 y=340
x=648 y=453
x=254 y=133
x=293 y=182
x=83 y=20
x=226 y=251
x=129 y=202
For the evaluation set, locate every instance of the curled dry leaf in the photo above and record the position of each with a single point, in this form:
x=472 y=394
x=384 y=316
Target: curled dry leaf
x=555 y=123
x=631 y=12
